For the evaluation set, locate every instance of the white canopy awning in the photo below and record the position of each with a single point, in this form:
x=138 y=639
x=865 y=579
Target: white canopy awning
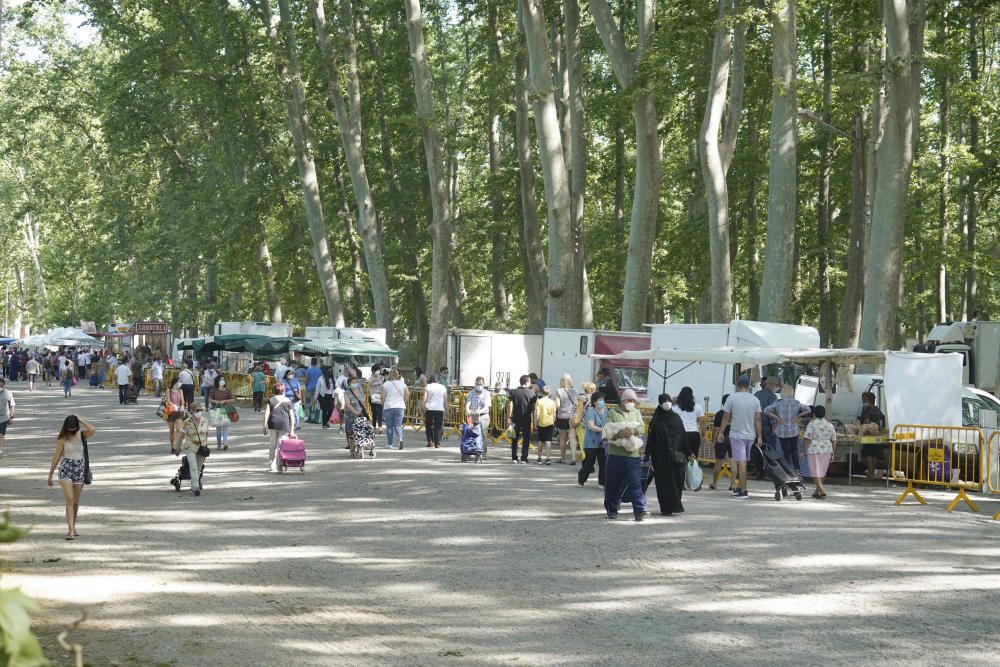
x=759 y=356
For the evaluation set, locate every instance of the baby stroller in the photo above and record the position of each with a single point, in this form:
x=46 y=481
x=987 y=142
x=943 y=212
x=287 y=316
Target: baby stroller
x=778 y=470
x=472 y=443
x=291 y=452
x=131 y=395
x=184 y=473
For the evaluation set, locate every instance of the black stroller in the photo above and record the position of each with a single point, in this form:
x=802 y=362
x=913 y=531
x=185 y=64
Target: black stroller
x=184 y=473
x=770 y=464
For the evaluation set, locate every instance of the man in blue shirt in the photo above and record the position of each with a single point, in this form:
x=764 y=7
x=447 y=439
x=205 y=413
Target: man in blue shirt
x=313 y=374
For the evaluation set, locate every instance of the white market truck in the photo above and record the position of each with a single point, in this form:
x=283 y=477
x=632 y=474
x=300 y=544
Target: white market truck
x=348 y=333
x=711 y=380
x=568 y=351
x=272 y=329
x=978 y=343
x=497 y=356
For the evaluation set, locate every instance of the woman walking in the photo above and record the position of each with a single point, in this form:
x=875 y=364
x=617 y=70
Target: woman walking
x=70 y=459
x=593 y=442
x=221 y=400
x=194 y=433
x=324 y=395
x=820 y=441
x=669 y=451
x=277 y=422
x=375 y=383
x=258 y=387
x=693 y=417
x=435 y=404
x=174 y=404
x=68 y=376
x=395 y=396
x=567 y=404
x=353 y=407
x=624 y=430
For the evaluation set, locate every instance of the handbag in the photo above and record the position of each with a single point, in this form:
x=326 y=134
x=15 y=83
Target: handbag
x=163 y=410
x=73 y=381
x=204 y=451
x=693 y=476
x=217 y=417
x=88 y=477
x=335 y=416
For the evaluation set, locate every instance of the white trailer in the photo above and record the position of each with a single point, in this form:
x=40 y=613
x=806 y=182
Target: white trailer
x=348 y=333
x=978 y=343
x=272 y=329
x=711 y=380
x=568 y=351
x=497 y=356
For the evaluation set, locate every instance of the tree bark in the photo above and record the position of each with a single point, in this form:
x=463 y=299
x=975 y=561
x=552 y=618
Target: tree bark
x=972 y=197
x=563 y=291
x=498 y=237
x=713 y=171
x=781 y=192
x=648 y=172
x=348 y=114
x=824 y=212
x=298 y=123
x=535 y=272
x=894 y=162
x=577 y=154
x=32 y=243
x=857 y=252
x=441 y=221
x=944 y=136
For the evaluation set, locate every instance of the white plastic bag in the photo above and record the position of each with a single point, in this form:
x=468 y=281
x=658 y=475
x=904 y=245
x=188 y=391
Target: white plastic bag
x=693 y=476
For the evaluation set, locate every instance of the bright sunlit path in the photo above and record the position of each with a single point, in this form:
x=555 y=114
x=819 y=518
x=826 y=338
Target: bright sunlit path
x=415 y=558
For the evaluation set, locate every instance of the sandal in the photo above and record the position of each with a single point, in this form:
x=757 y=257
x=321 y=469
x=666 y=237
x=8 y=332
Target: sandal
x=70 y=538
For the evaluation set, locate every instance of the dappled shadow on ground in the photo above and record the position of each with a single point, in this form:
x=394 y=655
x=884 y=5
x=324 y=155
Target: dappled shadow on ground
x=415 y=559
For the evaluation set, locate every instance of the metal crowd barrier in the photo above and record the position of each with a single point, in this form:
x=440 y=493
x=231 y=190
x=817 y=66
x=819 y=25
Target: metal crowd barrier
x=413 y=416
x=992 y=466
x=943 y=456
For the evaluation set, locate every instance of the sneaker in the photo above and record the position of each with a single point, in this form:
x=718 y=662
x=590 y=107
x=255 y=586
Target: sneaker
x=389 y=447
x=513 y=460
x=581 y=483
x=548 y=462
x=225 y=447
x=195 y=492
x=744 y=495
x=539 y=462
x=642 y=517
x=612 y=516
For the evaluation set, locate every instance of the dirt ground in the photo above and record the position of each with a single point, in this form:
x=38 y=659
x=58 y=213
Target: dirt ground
x=417 y=559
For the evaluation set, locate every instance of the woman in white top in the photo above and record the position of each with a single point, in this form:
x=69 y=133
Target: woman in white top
x=324 y=395
x=435 y=403
x=70 y=459
x=395 y=396
x=693 y=416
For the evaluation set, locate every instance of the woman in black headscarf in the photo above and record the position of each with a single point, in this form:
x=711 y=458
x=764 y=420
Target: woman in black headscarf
x=668 y=449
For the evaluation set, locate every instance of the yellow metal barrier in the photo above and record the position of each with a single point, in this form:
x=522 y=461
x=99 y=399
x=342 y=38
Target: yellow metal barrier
x=948 y=456
x=413 y=416
x=992 y=467
x=498 y=417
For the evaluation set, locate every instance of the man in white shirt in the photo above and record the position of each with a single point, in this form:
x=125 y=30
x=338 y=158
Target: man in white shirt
x=157 y=373
x=122 y=375
x=743 y=416
x=208 y=381
x=435 y=404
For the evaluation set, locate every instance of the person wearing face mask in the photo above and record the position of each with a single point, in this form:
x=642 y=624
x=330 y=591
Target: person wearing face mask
x=669 y=450
x=293 y=390
x=594 y=419
x=194 y=433
x=354 y=394
x=220 y=399
x=478 y=402
x=208 y=379
x=623 y=430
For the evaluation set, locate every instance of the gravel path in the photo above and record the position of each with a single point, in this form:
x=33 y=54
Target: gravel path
x=416 y=559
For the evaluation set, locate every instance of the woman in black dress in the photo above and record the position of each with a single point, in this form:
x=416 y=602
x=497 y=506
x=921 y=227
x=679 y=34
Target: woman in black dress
x=668 y=449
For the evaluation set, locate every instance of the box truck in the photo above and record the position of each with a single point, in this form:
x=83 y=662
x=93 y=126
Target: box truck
x=978 y=343
x=272 y=329
x=568 y=351
x=497 y=356
x=709 y=380
x=349 y=333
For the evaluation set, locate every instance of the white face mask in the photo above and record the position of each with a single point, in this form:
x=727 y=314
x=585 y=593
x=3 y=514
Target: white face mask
x=222 y=383
x=479 y=387
x=666 y=405
x=629 y=405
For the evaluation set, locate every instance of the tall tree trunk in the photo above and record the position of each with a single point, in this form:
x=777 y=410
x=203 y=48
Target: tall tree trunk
x=944 y=119
x=441 y=224
x=577 y=153
x=894 y=162
x=354 y=291
x=972 y=197
x=498 y=236
x=349 y=122
x=648 y=172
x=535 y=273
x=298 y=123
x=857 y=252
x=619 y=176
x=563 y=291
x=776 y=289
x=32 y=243
x=713 y=171
x=405 y=215
x=824 y=213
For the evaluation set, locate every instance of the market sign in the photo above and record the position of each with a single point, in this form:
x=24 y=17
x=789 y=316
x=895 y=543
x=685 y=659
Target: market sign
x=151 y=328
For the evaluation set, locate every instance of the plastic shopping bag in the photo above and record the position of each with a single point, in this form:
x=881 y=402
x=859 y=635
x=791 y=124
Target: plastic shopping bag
x=693 y=476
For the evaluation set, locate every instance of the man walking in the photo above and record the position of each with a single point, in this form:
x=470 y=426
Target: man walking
x=520 y=412
x=742 y=414
x=33 y=368
x=156 y=372
x=6 y=411
x=122 y=376
x=767 y=398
